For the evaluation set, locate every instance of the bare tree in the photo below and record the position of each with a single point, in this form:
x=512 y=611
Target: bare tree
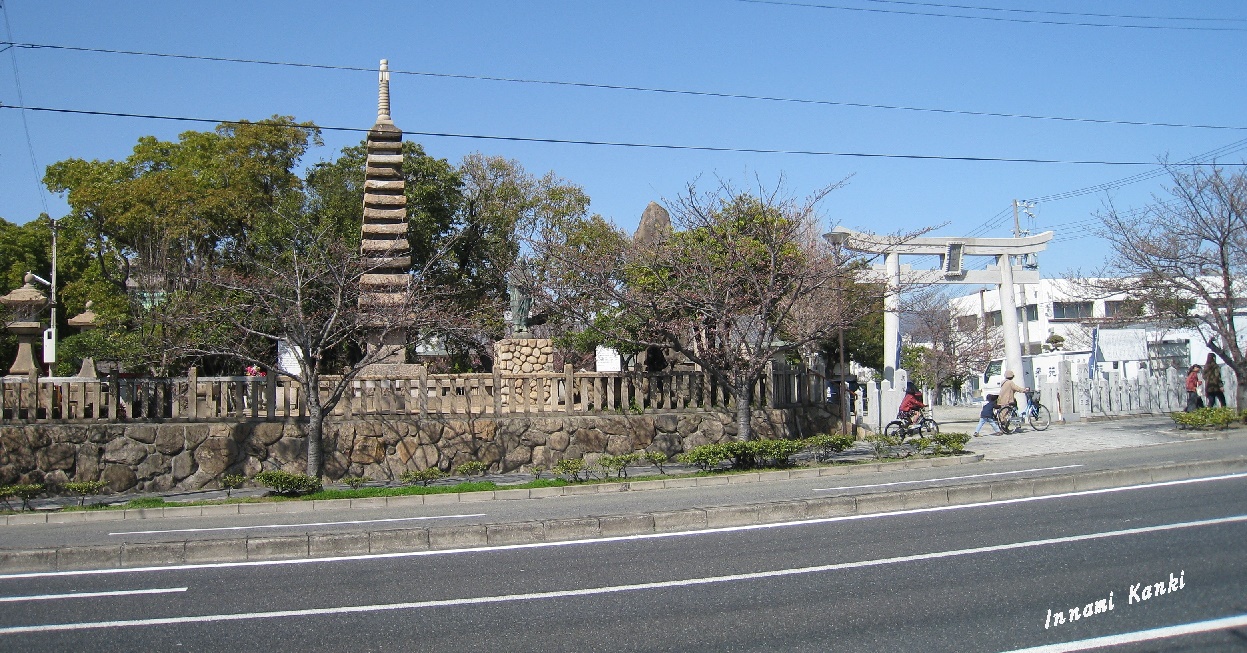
x=947 y=355
x=300 y=283
x=1185 y=258
x=743 y=280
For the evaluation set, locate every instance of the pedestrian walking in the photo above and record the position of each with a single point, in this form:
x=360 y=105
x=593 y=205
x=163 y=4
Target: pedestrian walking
x=1192 y=389
x=1213 y=389
x=987 y=416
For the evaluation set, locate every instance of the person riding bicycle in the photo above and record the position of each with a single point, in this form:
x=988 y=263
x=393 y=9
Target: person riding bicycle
x=911 y=405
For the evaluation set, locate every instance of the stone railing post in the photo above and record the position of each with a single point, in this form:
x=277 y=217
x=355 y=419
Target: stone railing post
x=569 y=393
x=192 y=393
x=270 y=396
x=423 y=377
x=497 y=389
x=114 y=401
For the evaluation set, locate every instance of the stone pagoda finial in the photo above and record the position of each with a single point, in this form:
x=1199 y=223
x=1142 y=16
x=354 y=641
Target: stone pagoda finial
x=383 y=92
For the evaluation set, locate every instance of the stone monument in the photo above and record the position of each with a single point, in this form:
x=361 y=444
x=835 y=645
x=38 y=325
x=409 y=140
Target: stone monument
x=655 y=225
x=384 y=249
x=85 y=321
x=25 y=305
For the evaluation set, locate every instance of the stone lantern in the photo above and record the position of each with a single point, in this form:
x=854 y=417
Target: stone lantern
x=25 y=305
x=85 y=321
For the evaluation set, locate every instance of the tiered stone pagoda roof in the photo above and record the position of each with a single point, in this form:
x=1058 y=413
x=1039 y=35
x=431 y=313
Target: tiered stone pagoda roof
x=384 y=247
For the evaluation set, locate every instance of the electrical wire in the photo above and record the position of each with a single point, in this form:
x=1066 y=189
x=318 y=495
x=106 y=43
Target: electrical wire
x=21 y=103
x=998 y=19
x=660 y=146
x=1054 y=13
x=640 y=89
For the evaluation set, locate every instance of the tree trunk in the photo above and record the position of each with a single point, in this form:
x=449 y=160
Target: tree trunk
x=315 y=427
x=1240 y=392
x=744 y=410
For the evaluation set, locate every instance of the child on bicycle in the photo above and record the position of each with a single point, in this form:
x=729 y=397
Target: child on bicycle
x=911 y=405
x=987 y=416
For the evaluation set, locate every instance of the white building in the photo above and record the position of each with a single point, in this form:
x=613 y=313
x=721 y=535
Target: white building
x=1060 y=307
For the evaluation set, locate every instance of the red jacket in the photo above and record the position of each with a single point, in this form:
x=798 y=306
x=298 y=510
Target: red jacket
x=912 y=402
x=1192 y=381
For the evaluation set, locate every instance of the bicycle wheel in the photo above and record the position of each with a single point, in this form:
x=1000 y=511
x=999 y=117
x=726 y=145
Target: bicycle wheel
x=1005 y=417
x=1039 y=418
x=895 y=429
x=928 y=425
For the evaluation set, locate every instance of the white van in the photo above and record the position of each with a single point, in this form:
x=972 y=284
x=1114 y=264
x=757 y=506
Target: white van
x=1039 y=368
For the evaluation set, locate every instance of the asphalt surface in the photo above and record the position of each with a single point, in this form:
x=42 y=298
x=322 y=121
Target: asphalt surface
x=971 y=578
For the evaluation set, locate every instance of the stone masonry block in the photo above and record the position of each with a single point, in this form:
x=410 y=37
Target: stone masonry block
x=515 y=533
x=562 y=530
x=277 y=548
x=624 y=525
x=231 y=550
x=398 y=540
x=458 y=537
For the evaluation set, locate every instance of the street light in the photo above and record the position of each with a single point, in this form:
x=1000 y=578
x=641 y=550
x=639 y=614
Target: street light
x=49 y=334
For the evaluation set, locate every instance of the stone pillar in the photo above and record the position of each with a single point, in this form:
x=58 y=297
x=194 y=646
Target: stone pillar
x=1009 y=317
x=892 y=315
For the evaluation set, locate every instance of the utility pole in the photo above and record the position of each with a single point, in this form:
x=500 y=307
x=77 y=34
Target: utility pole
x=1025 y=317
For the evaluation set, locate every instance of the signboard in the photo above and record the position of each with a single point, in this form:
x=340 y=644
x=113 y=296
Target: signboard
x=287 y=357
x=608 y=360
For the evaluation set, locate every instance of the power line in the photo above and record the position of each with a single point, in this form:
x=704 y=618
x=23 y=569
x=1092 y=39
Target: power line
x=659 y=146
x=639 y=89
x=21 y=102
x=1056 y=13
x=998 y=19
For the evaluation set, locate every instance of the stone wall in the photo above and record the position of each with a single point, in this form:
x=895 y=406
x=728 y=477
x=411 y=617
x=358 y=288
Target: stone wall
x=524 y=355
x=163 y=457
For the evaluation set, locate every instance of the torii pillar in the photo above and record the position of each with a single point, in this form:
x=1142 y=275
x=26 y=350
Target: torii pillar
x=951 y=253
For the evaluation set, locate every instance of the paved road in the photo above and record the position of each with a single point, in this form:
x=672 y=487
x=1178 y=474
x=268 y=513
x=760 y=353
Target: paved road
x=979 y=578
x=348 y=520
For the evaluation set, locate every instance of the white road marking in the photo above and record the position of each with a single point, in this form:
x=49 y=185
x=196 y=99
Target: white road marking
x=1193 y=628
x=618 y=538
x=321 y=523
x=610 y=589
x=87 y=595
x=946 y=478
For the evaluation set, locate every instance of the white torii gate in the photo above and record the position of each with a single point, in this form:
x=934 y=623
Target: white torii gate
x=952 y=253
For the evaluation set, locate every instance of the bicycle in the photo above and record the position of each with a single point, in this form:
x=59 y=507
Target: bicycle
x=1011 y=419
x=903 y=427
x=1036 y=414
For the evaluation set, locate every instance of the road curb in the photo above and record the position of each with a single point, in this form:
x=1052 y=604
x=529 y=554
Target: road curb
x=554 y=530
x=407 y=501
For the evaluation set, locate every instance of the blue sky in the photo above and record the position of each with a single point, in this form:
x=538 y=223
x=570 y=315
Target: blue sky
x=864 y=51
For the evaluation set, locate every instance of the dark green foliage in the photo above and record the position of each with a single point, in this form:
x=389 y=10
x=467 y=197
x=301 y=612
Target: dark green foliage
x=825 y=446
x=1220 y=417
x=619 y=464
x=421 y=476
x=472 y=468
x=354 y=482
x=23 y=491
x=570 y=468
x=949 y=442
x=288 y=484
x=657 y=459
x=84 y=489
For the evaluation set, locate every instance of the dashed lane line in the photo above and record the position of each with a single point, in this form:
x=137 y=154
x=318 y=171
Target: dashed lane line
x=946 y=478
x=320 y=523
x=88 y=595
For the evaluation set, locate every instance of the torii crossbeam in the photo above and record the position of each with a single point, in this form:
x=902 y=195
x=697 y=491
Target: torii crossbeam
x=952 y=253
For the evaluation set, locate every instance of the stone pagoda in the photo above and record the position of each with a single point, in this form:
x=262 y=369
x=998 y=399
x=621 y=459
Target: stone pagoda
x=384 y=248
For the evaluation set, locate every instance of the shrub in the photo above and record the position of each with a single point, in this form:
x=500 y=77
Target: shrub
x=287 y=484
x=657 y=459
x=825 y=446
x=881 y=443
x=423 y=476
x=705 y=457
x=570 y=468
x=472 y=468
x=1220 y=417
x=537 y=471
x=774 y=453
x=232 y=482
x=355 y=482
x=952 y=442
x=23 y=491
x=84 y=489
x=619 y=464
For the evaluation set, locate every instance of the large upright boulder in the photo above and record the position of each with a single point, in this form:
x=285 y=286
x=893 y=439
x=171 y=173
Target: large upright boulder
x=655 y=225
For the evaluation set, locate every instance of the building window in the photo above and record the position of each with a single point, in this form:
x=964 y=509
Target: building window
x=1032 y=313
x=993 y=319
x=967 y=323
x=1072 y=310
x=1124 y=308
